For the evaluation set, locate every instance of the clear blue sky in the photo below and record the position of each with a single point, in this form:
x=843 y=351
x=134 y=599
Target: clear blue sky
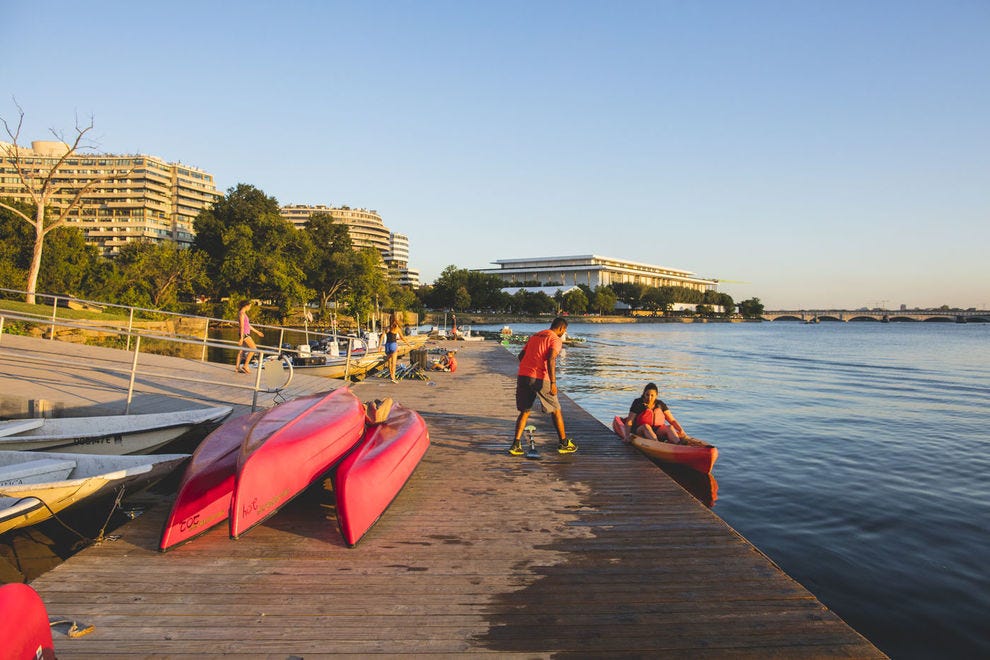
x=828 y=153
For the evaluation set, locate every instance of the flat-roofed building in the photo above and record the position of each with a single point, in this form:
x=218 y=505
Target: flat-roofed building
x=367 y=230
x=142 y=198
x=594 y=271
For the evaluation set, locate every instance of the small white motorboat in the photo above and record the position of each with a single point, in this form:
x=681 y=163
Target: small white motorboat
x=34 y=486
x=112 y=434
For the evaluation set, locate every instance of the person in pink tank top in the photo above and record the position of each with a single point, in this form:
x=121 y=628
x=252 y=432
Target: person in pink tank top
x=245 y=337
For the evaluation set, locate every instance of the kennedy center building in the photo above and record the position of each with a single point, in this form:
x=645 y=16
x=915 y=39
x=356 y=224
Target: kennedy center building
x=594 y=271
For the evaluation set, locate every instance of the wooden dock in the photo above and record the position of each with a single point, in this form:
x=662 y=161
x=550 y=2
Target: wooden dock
x=597 y=553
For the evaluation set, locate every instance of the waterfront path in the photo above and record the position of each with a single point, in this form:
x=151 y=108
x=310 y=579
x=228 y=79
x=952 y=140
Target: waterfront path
x=593 y=554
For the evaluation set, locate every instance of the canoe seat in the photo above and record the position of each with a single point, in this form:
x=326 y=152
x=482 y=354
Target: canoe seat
x=36 y=472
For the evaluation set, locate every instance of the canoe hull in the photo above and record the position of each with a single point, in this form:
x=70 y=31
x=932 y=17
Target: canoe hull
x=371 y=477
x=289 y=448
x=24 y=626
x=697 y=457
x=93 y=476
x=203 y=497
x=112 y=434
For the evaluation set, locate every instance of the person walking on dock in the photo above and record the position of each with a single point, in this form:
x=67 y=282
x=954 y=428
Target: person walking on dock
x=245 y=337
x=537 y=378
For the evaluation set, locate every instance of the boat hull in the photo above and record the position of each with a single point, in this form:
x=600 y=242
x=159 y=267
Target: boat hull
x=288 y=449
x=112 y=434
x=24 y=626
x=91 y=476
x=700 y=457
x=203 y=497
x=371 y=477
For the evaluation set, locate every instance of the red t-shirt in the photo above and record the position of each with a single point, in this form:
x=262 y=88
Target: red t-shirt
x=452 y=364
x=541 y=346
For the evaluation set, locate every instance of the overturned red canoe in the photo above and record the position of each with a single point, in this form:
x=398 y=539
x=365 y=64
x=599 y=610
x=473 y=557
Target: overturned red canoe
x=24 y=628
x=203 y=498
x=369 y=479
x=697 y=456
x=289 y=448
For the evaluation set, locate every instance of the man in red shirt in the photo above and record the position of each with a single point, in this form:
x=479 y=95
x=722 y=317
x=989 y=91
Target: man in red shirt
x=537 y=378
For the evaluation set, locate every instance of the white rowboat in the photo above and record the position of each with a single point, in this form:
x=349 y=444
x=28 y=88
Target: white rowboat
x=36 y=485
x=111 y=434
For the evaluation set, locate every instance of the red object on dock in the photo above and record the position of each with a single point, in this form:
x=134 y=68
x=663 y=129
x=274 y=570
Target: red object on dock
x=371 y=477
x=288 y=449
x=203 y=498
x=700 y=457
x=24 y=629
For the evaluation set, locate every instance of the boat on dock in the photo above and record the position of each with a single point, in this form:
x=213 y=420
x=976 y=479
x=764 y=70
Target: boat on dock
x=371 y=476
x=696 y=455
x=202 y=500
x=34 y=486
x=287 y=449
x=24 y=626
x=110 y=434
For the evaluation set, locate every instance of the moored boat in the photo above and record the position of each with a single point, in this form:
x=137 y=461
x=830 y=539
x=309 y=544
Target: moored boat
x=371 y=476
x=111 y=434
x=24 y=626
x=696 y=454
x=287 y=449
x=34 y=486
x=203 y=497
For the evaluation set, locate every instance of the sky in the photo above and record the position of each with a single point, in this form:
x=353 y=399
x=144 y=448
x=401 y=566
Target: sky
x=810 y=153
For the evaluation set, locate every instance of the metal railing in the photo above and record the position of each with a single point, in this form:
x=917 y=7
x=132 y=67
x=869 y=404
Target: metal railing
x=274 y=371
x=138 y=315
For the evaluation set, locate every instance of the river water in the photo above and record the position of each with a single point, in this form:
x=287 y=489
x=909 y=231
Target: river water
x=855 y=455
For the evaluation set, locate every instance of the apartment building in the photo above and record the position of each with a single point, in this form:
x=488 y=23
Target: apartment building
x=367 y=230
x=142 y=198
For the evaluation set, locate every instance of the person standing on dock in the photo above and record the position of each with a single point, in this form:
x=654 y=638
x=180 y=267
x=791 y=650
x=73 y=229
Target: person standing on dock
x=245 y=337
x=537 y=378
x=392 y=338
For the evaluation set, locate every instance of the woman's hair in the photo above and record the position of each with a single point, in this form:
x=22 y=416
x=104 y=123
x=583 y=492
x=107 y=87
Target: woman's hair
x=651 y=386
x=244 y=303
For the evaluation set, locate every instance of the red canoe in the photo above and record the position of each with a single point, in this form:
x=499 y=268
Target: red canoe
x=24 y=628
x=369 y=479
x=203 y=498
x=289 y=448
x=700 y=457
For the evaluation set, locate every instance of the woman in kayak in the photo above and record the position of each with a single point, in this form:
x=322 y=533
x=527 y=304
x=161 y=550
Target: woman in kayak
x=649 y=417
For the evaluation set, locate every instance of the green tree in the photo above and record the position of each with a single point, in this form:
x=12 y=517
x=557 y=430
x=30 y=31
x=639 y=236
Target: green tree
x=604 y=300
x=155 y=275
x=575 y=302
x=751 y=309
x=252 y=252
x=69 y=265
x=369 y=288
x=334 y=262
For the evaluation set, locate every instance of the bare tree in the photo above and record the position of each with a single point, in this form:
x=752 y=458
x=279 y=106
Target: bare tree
x=42 y=186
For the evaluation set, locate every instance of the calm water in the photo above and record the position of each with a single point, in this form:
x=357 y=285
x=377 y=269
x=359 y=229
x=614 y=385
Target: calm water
x=855 y=455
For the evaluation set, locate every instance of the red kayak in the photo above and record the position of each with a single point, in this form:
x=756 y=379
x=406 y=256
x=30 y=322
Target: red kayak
x=696 y=455
x=289 y=448
x=369 y=479
x=203 y=498
x=24 y=628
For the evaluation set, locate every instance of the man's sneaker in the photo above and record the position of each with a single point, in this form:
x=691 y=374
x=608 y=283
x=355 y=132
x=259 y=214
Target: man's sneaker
x=566 y=446
x=516 y=449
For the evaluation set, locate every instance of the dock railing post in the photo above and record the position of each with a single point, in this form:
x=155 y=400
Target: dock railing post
x=54 y=313
x=130 y=327
x=134 y=363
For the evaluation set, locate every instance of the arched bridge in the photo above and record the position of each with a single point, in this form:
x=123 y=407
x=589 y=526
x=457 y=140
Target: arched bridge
x=882 y=316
